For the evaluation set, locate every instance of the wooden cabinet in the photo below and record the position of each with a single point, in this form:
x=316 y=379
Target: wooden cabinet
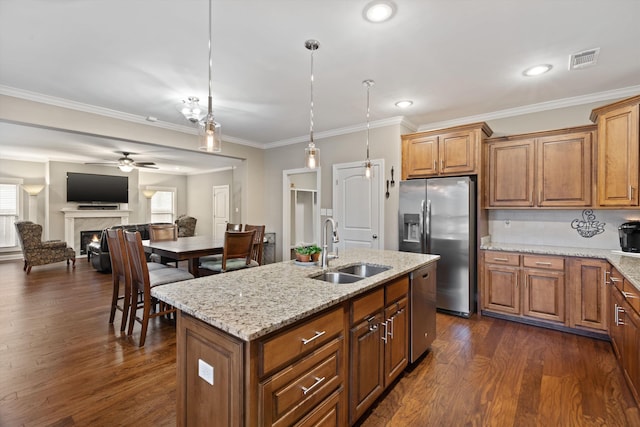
x=379 y=344
x=588 y=294
x=452 y=151
x=500 y=284
x=618 y=153
x=543 y=287
x=543 y=169
x=624 y=330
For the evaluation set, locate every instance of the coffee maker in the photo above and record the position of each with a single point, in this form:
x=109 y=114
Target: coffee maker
x=629 y=233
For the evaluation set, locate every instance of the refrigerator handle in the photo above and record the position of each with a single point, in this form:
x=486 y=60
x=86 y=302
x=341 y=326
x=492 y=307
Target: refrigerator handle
x=427 y=227
x=423 y=241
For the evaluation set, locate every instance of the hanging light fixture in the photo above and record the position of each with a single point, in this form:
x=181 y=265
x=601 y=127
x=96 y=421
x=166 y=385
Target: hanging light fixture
x=367 y=163
x=209 y=131
x=312 y=154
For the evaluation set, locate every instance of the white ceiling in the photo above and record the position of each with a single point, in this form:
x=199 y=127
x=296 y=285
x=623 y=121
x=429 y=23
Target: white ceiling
x=453 y=58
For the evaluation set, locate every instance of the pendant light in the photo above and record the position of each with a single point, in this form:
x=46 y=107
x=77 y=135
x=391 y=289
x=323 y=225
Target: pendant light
x=312 y=154
x=209 y=132
x=367 y=162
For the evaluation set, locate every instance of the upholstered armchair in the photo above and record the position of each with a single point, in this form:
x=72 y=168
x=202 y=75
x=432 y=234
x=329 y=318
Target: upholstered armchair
x=186 y=226
x=37 y=252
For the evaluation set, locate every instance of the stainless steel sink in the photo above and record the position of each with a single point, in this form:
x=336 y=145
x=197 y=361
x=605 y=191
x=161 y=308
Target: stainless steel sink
x=364 y=270
x=337 y=277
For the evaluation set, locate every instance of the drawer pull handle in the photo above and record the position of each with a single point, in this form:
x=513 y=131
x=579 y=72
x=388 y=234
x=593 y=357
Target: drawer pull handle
x=386 y=331
x=615 y=279
x=390 y=332
x=619 y=310
x=543 y=263
x=318 y=334
x=319 y=381
x=629 y=295
x=501 y=259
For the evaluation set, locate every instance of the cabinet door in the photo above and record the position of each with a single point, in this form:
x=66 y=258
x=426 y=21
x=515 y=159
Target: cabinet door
x=616 y=325
x=618 y=161
x=631 y=351
x=511 y=172
x=419 y=157
x=501 y=292
x=588 y=293
x=366 y=366
x=396 y=349
x=564 y=170
x=543 y=294
x=457 y=153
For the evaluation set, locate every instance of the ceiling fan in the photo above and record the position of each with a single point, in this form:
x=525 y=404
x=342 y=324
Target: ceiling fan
x=126 y=163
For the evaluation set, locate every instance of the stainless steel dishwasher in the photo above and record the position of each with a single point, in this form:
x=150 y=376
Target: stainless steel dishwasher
x=423 y=310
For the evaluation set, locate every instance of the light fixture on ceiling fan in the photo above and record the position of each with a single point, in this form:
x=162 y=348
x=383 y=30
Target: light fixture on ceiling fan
x=126 y=163
x=210 y=132
x=367 y=163
x=312 y=154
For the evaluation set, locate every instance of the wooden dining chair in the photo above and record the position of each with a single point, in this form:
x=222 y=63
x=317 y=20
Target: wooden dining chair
x=162 y=233
x=218 y=257
x=234 y=227
x=258 y=244
x=142 y=280
x=236 y=254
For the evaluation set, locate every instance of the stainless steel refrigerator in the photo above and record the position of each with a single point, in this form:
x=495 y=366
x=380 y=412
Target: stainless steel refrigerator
x=438 y=216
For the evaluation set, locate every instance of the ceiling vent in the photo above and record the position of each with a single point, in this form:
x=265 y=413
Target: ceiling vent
x=584 y=59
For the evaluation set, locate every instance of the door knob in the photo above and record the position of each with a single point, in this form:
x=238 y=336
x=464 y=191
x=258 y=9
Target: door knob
x=375 y=236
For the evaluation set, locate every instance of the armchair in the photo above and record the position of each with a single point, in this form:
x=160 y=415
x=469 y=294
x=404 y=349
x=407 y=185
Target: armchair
x=186 y=226
x=37 y=252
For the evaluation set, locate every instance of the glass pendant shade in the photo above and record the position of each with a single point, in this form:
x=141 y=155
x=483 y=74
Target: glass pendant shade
x=125 y=168
x=210 y=135
x=312 y=156
x=367 y=169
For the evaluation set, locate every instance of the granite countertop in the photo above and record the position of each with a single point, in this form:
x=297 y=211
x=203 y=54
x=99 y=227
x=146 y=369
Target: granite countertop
x=628 y=265
x=253 y=302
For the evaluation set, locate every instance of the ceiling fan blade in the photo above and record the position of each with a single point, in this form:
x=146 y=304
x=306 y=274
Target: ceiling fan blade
x=102 y=163
x=138 y=165
x=144 y=163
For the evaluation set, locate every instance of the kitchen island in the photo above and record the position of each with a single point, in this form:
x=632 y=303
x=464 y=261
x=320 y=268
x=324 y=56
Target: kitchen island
x=274 y=346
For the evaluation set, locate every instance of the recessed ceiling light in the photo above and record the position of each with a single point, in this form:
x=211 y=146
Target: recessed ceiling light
x=404 y=104
x=379 y=11
x=537 y=70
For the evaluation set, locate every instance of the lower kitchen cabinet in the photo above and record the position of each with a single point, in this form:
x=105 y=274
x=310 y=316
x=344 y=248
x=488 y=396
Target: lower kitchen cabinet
x=544 y=291
x=379 y=344
x=624 y=330
x=588 y=294
x=500 y=285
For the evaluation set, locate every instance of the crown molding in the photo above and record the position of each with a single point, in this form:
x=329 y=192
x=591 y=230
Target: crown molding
x=340 y=131
x=536 y=108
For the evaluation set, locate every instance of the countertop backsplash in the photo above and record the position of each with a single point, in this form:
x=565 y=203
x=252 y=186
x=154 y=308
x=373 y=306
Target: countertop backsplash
x=559 y=227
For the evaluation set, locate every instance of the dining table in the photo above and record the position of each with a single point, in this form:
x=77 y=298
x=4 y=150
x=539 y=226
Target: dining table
x=189 y=249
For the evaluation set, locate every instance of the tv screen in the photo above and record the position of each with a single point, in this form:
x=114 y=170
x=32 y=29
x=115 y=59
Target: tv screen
x=86 y=187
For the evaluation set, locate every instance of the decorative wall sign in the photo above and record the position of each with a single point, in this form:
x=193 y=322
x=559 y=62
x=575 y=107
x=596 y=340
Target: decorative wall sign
x=588 y=226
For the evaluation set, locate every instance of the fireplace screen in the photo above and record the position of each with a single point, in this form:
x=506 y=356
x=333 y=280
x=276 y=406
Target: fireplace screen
x=87 y=237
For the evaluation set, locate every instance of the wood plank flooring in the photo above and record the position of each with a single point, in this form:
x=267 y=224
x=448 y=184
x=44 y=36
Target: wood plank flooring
x=62 y=364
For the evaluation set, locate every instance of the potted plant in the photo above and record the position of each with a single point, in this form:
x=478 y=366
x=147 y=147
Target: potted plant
x=303 y=254
x=315 y=251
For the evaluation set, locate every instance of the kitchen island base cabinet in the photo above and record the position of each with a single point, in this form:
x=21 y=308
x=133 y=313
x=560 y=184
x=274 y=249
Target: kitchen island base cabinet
x=210 y=366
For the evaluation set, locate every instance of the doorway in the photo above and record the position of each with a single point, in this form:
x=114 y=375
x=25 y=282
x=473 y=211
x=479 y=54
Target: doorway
x=220 y=210
x=358 y=205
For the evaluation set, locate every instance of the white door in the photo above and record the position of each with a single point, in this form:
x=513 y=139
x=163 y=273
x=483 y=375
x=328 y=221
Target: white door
x=220 y=210
x=358 y=205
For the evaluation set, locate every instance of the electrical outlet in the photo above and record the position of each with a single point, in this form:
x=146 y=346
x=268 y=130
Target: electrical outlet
x=507 y=223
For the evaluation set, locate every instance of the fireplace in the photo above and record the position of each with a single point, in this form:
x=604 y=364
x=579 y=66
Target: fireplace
x=86 y=237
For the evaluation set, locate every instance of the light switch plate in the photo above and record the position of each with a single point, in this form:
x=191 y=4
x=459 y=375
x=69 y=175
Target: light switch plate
x=205 y=371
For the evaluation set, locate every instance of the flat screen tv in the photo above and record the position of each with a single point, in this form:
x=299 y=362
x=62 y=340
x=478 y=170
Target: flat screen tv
x=91 y=188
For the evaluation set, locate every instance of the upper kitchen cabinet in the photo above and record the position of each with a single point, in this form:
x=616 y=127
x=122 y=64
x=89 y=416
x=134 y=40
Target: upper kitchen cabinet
x=544 y=169
x=443 y=152
x=618 y=153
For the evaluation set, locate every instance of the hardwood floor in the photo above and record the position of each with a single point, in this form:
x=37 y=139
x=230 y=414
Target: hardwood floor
x=62 y=364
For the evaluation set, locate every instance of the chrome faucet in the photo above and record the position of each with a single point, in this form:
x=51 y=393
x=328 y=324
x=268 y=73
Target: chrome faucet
x=335 y=239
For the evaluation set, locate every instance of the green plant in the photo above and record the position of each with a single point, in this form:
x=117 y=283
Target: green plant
x=314 y=249
x=303 y=250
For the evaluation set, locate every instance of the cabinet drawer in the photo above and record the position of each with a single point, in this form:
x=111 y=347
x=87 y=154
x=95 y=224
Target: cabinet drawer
x=397 y=289
x=632 y=295
x=331 y=412
x=297 y=389
x=367 y=305
x=286 y=346
x=547 y=262
x=497 y=257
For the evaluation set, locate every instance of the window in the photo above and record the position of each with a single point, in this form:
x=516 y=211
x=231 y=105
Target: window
x=9 y=213
x=163 y=205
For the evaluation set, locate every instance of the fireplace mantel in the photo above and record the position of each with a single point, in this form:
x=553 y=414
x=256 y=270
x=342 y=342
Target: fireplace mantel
x=72 y=236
